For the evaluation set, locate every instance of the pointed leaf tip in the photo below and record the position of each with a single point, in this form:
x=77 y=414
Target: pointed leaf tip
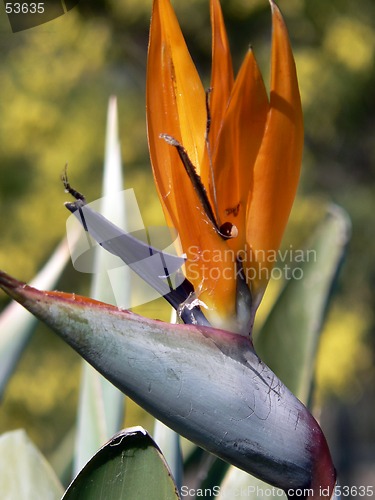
x=128 y=466
x=9 y=284
x=31 y=298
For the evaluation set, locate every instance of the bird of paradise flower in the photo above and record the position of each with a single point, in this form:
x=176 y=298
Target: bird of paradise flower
x=226 y=164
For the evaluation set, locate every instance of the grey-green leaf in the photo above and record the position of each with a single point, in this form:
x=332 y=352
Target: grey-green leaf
x=101 y=405
x=129 y=467
x=206 y=384
x=289 y=337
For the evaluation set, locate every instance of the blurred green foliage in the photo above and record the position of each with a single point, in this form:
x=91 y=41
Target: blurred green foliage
x=55 y=81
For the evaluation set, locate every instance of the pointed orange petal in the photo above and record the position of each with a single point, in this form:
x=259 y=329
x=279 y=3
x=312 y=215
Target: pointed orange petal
x=221 y=87
x=277 y=167
x=176 y=106
x=175 y=99
x=222 y=71
x=238 y=145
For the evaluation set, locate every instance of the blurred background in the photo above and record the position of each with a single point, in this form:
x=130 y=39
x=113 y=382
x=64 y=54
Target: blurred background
x=55 y=81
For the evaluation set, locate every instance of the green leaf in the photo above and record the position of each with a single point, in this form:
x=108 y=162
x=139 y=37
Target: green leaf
x=129 y=466
x=169 y=443
x=101 y=405
x=17 y=324
x=61 y=458
x=206 y=384
x=24 y=472
x=289 y=337
x=100 y=411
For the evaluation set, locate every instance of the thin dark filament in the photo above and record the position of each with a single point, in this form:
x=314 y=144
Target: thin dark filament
x=76 y=194
x=194 y=177
x=209 y=155
x=196 y=181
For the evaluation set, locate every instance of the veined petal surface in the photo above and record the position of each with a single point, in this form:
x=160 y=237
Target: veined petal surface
x=277 y=168
x=176 y=106
x=221 y=73
x=238 y=146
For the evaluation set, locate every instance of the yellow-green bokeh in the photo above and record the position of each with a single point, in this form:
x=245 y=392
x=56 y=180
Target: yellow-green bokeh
x=55 y=81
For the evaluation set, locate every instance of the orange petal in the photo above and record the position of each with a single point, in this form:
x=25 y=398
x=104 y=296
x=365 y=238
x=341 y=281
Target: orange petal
x=222 y=71
x=175 y=99
x=277 y=167
x=176 y=106
x=238 y=145
x=221 y=87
